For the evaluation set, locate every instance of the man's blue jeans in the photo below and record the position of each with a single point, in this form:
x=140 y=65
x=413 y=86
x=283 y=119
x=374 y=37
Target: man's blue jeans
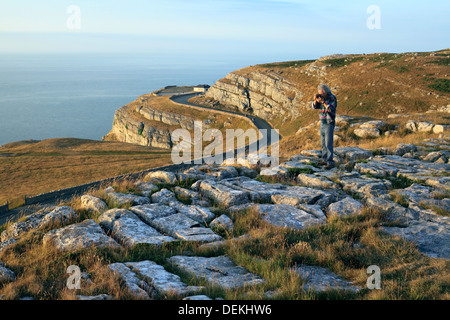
x=326 y=139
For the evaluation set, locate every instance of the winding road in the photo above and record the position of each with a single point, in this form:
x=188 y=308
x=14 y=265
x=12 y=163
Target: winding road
x=263 y=126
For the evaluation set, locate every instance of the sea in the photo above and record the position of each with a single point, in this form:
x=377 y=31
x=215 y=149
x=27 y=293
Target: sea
x=46 y=96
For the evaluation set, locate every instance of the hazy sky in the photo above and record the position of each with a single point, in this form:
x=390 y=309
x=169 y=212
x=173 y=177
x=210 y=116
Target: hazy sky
x=264 y=28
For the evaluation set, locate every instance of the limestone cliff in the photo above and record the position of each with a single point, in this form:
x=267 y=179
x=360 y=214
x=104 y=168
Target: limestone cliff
x=266 y=95
x=139 y=123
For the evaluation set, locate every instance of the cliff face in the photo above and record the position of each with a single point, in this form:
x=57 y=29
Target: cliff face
x=266 y=95
x=139 y=124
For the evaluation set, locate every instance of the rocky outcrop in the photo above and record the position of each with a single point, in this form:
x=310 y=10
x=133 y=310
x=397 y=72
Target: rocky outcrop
x=87 y=234
x=6 y=275
x=132 y=128
x=266 y=95
x=219 y=271
x=320 y=279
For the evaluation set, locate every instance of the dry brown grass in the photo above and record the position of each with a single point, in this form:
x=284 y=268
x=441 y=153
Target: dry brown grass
x=54 y=164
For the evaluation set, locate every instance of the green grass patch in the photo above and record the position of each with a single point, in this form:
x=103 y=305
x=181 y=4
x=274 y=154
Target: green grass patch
x=399 y=69
x=341 y=62
x=442 y=85
x=442 y=61
x=287 y=64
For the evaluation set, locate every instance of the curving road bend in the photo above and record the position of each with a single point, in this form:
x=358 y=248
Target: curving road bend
x=263 y=126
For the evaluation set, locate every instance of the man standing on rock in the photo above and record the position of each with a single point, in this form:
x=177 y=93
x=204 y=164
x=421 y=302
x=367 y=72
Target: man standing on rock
x=326 y=102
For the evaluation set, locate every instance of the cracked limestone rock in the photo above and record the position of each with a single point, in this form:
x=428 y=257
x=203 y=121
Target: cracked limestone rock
x=121 y=199
x=222 y=194
x=86 y=234
x=164 y=196
x=286 y=216
x=320 y=279
x=161 y=177
x=129 y=230
x=164 y=282
x=345 y=207
x=42 y=218
x=222 y=223
x=220 y=271
x=93 y=204
x=6 y=275
x=137 y=287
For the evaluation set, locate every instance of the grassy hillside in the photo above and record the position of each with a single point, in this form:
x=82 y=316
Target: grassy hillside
x=366 y=85
x=33 y=167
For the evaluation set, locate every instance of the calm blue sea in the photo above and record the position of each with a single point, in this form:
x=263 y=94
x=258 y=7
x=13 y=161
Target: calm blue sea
x=66 y=95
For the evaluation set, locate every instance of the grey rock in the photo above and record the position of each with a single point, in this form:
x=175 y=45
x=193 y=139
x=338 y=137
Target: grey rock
x=184 y=228
x=94 y=298
x=196 y=186
x=435 y=156
x=121 y=199
x=315 y=181
x=413 y=168
x=296 y=195
x=197 y=213
x=247 y=172
x=254 y=160
x=377 y=169
x=320 y=280
x=146 y=188
x=352 y=153
x=164 y=282
x=425 y=126
x=164 y=197
x=129 y=230
x=440 y=128
x=377 y=124
x=314 y=209
x=403 y=148
x=431 y=238
x=137 y=287
x=299 y=165
x=222 y=223
x=286 y=216
x=86 y=234
x=161 y=177
x=150 y=212
x=221 y=194
x=367 y=132
x=59 y=215
x=197 y=297
x=187 y=194
x=257 y=191
x=366 y=187
x=219 y=271
x=6 y=275
x=392 y=210
x=210 y=172
x=33 y=221
x=94 y=204
x=272 y=294
x=345 y=207
x=5 y=244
